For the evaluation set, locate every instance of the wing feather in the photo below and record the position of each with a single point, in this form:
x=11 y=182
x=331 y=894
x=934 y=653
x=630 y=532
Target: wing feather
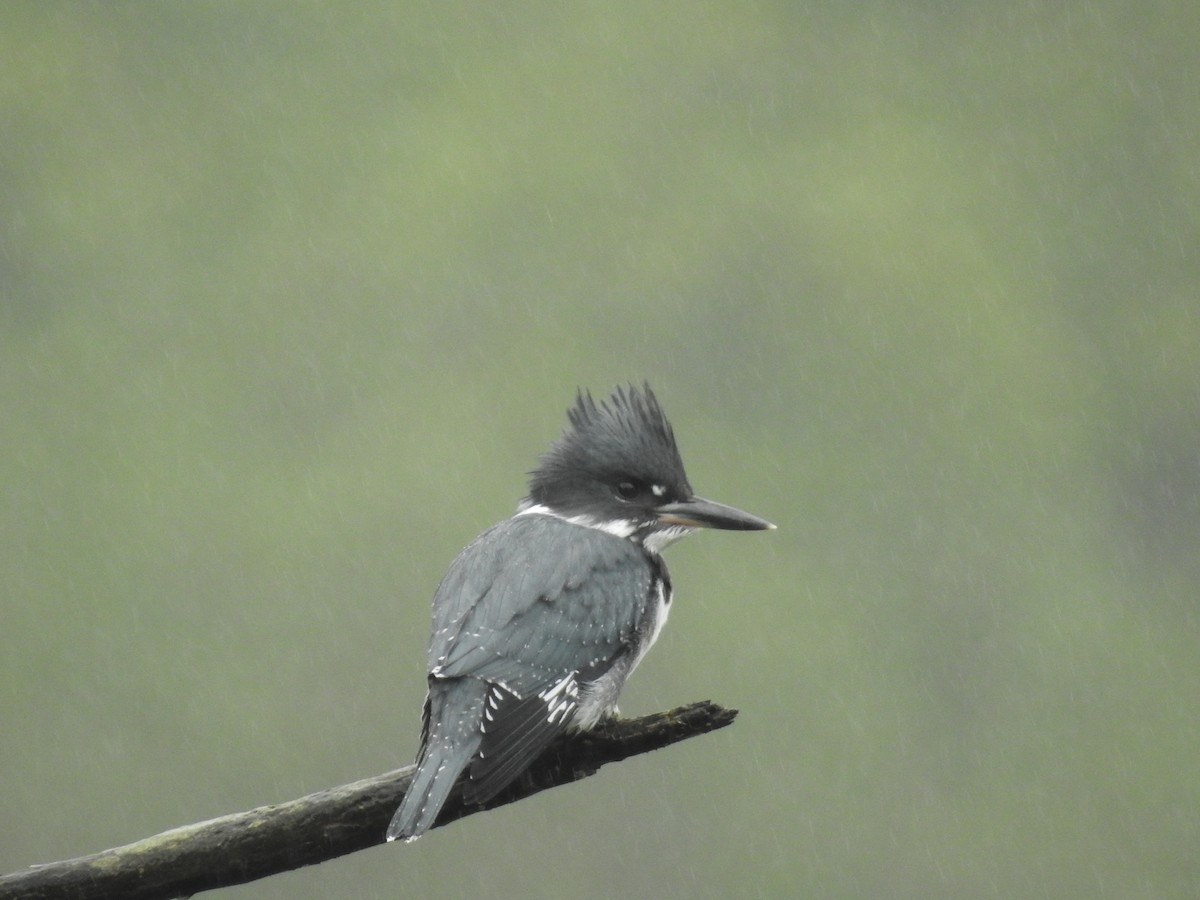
x=534 y=608
x=535 y=598
x=516 y=733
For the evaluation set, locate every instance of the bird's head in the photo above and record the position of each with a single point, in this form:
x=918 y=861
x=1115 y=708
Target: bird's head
x=616 y=467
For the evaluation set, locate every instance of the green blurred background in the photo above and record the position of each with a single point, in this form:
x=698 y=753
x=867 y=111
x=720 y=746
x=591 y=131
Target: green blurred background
x=293 y=294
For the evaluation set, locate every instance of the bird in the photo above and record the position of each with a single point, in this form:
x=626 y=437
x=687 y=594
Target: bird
x=539 y=621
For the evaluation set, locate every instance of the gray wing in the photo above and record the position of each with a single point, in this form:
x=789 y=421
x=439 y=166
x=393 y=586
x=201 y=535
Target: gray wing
x=533 y=608
x=534 y=598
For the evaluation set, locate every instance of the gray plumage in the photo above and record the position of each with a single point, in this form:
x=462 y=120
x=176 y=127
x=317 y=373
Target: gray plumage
x=540 y=620
x=527 y=603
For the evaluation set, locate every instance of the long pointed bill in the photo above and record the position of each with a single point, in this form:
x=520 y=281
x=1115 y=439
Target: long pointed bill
x=701 y=513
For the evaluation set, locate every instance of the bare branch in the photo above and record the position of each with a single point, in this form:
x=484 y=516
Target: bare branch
x=246 y=846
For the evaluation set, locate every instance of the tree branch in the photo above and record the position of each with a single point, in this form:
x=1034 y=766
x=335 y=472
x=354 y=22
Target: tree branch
x=245 y=846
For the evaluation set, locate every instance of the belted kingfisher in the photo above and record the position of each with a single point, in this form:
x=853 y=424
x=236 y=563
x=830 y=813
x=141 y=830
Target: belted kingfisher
x=540 y=620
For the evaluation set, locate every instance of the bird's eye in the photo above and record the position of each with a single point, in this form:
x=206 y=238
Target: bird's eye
x=627 y=490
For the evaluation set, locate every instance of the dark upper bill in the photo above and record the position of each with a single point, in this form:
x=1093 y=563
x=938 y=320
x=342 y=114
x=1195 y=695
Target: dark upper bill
x=700 y=513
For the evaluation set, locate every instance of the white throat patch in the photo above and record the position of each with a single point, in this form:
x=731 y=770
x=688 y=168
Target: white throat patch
x=659 y=540
x=656 y=541
x=622 y=528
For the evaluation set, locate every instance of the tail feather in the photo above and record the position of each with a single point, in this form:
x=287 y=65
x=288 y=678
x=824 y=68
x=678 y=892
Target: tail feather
x=454 y=711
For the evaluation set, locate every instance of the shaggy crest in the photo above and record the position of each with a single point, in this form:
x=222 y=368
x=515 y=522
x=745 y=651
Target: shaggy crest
x=626 y=435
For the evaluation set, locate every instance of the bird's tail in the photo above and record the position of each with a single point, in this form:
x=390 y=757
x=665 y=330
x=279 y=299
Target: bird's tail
x=453 y=712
